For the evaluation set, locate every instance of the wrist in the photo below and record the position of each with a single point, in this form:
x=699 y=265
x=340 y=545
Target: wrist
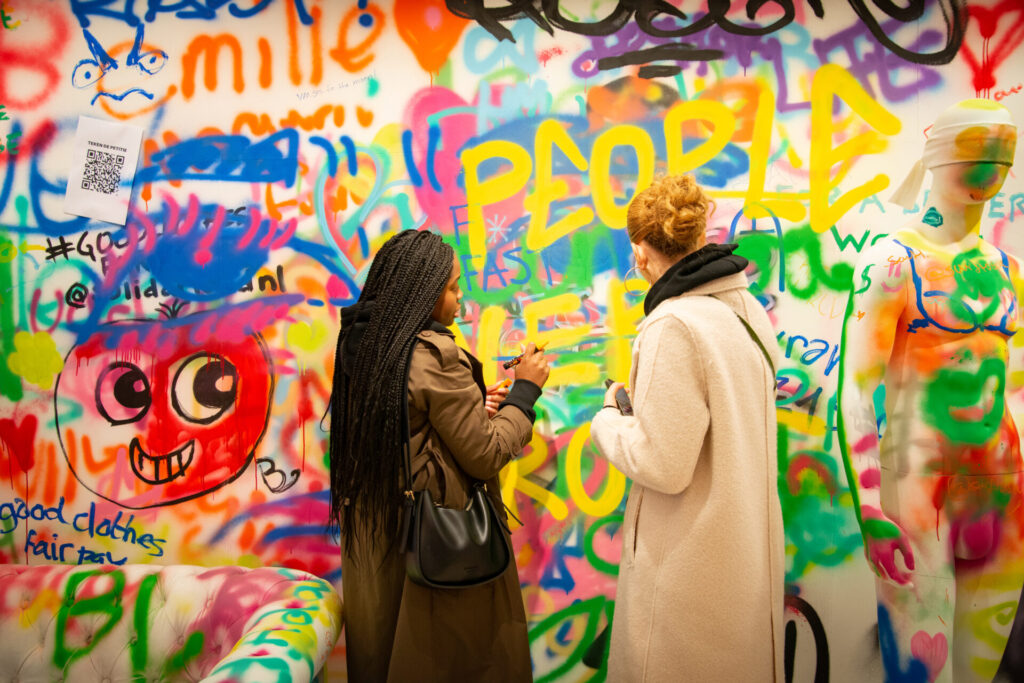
x=872 y=509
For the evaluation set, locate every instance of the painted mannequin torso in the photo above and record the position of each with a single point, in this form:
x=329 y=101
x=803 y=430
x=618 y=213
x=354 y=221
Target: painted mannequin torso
x=960 y=310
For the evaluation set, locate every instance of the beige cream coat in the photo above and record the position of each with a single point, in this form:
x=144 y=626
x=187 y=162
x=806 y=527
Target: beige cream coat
x=700 y=590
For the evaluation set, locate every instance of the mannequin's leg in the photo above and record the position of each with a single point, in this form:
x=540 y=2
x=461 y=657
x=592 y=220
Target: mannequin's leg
x=989 y=576
x=915 y=622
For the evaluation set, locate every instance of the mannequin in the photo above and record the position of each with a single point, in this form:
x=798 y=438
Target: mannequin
x=930 y=448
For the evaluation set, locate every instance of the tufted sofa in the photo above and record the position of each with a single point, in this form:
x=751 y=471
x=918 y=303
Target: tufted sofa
x=130 y=623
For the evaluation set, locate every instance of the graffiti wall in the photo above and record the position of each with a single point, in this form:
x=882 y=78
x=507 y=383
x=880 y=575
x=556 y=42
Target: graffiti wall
x=163 y=382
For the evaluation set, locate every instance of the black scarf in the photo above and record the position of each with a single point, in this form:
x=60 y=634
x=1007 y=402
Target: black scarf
x=708 y=263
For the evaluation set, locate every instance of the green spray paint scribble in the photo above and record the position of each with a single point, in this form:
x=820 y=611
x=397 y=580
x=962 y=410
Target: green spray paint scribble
x=140 y=643
x=595 y=561
x=952 y=389
x=783 y=377
x=192 y=648
x=8 y=548
x=805 y=239
x=977 y=278
x=445 y=77
x=932 y=218
x=761 y=247
x=21 y=206
x=590 y=609
x=881 y=529
x=10 y=384
x=108 y=603
x=820 y=529
x=139 y=646
x=984 y=174
x=851 y=477
x=255 y=669
x=982 y=623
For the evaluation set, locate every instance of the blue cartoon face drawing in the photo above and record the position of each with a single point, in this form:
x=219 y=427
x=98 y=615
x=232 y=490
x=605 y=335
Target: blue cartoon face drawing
x=124 y=74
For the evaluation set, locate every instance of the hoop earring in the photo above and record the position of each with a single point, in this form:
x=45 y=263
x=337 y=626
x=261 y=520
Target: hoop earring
x=626 y=278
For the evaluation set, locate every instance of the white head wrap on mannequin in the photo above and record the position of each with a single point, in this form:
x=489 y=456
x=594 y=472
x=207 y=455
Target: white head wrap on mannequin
x=969 y=131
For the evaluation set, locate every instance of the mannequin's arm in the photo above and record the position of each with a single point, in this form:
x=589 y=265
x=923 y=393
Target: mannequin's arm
x=872 y=321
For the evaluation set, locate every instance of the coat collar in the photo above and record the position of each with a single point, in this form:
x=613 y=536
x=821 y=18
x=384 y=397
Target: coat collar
x=434 y=326
x=476 y=368
x=727 y=283
x=710 y=262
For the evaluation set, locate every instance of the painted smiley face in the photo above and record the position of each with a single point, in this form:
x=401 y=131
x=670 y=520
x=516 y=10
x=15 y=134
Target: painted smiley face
x=172 y=426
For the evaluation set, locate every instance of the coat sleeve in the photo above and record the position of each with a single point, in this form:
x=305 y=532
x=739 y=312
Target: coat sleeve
x=659 y=446
x=441 y=385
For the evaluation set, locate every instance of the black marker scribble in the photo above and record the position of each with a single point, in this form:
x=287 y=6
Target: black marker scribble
x=655 y=20
x=268 y=469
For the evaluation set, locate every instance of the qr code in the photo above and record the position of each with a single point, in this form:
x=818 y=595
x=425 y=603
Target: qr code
x=102 y=172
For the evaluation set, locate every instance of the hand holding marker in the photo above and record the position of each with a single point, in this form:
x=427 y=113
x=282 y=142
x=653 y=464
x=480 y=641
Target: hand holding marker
x=518 y=359
x=531 y=365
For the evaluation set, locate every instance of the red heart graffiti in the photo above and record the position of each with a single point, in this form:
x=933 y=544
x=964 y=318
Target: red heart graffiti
x=932 y=650
x=989 y=20
x=20 y=440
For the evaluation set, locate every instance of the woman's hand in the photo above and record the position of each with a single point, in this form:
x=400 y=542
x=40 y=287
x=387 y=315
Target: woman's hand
x=496 y=393
x=534 y=366
x=609 y=395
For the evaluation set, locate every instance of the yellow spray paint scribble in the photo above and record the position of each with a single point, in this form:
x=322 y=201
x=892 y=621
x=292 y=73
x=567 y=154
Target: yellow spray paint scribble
x=833 y=81
x=869 y=118
x=801 y=422
x=546 y=190
x=35 y=358
x=306 y=336
x=514 y=478
x=615 y=481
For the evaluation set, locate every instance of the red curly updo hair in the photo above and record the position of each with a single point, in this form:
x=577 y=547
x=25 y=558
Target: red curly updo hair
x=671 y=215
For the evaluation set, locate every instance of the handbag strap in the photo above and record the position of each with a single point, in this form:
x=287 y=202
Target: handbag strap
x=750 y=331
x=406 y=452
x=406 y=438
x=407 y=492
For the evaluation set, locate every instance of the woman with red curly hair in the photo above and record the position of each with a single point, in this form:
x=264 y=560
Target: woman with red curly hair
x=700 y=589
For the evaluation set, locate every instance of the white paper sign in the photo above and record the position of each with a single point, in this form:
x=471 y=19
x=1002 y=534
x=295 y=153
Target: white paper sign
x=102 y=169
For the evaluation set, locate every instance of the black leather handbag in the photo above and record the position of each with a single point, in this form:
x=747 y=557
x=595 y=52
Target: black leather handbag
x=451 y=548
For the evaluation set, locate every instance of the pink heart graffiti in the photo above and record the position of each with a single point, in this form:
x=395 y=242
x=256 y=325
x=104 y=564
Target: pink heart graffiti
x=932 y=650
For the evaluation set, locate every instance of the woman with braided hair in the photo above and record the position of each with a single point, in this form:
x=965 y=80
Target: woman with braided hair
x=699 y=594
x=397 y=630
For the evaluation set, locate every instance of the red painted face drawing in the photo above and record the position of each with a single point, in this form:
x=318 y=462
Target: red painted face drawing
x=147 y=415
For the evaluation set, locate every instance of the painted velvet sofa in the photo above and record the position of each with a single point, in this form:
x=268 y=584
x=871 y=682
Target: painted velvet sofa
x=175 y=623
